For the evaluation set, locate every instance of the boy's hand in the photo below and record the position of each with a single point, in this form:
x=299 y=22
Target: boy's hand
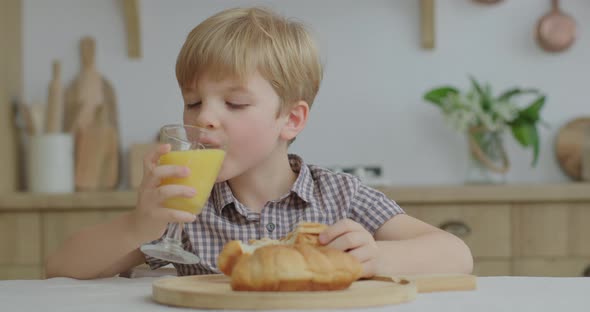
x=351 y=237
x=150 y=217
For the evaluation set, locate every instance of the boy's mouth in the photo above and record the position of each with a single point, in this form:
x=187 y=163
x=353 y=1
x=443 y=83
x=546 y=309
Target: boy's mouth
x=210 y=143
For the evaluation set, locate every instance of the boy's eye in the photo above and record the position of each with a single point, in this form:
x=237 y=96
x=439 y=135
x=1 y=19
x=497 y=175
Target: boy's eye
x=235 y=106
x=192 y=105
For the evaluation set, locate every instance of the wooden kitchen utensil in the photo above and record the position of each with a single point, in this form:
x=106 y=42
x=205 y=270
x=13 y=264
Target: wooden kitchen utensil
x=38 y=117
x=132 y=25
x=214 y=292
x=586 y=159
x=87 y=95
x=136 y=154
x=427 y=8
x=97 y=155
x=54 y=119
x=569 y=146
x=556 y=31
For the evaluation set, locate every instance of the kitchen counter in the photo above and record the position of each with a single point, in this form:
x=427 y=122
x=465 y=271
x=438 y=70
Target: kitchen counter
x=512 y=193
x=123 y=294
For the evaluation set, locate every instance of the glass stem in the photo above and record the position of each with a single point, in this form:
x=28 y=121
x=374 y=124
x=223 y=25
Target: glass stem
x=174 y=232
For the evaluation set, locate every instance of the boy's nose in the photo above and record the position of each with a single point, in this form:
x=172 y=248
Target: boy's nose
x=207 y=118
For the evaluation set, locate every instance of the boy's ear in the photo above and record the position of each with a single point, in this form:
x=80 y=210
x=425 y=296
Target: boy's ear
x=296 y=119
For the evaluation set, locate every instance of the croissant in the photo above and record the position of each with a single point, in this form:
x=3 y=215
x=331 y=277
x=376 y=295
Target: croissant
x=296 y=262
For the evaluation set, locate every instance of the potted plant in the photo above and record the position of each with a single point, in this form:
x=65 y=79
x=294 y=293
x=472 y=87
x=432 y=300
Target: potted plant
x=484 y=117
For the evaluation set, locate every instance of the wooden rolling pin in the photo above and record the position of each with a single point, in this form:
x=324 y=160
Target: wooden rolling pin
x=54 y=119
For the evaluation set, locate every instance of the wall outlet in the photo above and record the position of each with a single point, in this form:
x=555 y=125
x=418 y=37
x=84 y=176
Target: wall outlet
x=368 y=174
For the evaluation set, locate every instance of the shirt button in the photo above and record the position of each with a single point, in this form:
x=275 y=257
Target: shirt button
x=270 y=227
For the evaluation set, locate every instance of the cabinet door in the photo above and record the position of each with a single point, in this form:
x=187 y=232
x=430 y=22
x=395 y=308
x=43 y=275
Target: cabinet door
x=58 y=226
x=484 y=228
x=540 y=229
x=20 y=272
x=556 y=267
x=579 y=230
x=492 y=267
x=20 y=238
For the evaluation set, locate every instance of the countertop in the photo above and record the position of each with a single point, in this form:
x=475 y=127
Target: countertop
x=124 y=294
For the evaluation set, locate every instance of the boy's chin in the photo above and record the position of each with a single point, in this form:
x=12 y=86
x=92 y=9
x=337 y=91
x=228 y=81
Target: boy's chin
x=223 y=176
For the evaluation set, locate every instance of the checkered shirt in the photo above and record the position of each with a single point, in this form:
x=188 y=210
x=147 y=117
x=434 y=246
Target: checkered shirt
x=318 y=195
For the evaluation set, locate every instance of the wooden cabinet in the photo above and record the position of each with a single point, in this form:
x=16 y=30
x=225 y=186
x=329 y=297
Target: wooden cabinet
x=20 y=238
x=486 y=230
x=531 y=230
x=58 y=226
x=526 y=230
x=33 y=226
x=552 y=266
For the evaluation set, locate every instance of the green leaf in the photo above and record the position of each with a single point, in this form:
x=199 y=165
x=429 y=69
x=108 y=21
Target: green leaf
x=484 y=96
x=531 y=113
x=437 y=95
x=535 y=137
x=476 y=85
x=522 y=133
x=507 y=95
x=527 y=135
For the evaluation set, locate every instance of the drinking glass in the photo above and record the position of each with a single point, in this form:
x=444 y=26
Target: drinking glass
x=202 y=152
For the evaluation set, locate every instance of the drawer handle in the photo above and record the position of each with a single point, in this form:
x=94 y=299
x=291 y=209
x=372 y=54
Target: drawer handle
x=456 y=228
x=587 y=272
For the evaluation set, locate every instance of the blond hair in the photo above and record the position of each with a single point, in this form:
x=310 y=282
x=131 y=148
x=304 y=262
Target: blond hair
x=240 y=41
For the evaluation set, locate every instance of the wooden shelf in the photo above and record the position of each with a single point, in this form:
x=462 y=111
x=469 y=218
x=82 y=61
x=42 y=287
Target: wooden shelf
x=506 y=193
x=80 y=200
x=515 y=193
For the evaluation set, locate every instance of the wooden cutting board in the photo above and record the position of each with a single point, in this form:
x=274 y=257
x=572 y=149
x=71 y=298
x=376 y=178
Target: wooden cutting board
x=88 y=94
x=569 y=146
x=214 y=292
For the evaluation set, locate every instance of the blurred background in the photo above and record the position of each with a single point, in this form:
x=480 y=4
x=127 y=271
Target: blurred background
x=370 y=105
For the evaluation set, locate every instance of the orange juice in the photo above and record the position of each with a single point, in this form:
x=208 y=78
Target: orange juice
x=204 y=165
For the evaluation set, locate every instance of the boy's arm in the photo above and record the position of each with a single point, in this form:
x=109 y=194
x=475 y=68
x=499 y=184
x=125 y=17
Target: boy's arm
x=102 y=250
x=110 y=248
x=402 y=245
x=409 y=246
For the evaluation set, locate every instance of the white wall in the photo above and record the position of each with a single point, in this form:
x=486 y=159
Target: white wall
x=369 y=110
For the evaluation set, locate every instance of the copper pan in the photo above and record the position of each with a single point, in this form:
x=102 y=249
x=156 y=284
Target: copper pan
x=556 y=31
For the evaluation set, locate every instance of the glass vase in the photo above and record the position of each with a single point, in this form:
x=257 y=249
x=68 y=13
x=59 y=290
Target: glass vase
x=488 y=162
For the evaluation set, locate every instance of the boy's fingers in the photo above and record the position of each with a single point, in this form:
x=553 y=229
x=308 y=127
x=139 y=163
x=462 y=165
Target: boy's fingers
x=362 y=254
x=169 y=171
x=174 y=190
x=350 y=240
x=172 y=215
x=339 y=228
x=150 y=160
x=367 y=269
x=166 y=171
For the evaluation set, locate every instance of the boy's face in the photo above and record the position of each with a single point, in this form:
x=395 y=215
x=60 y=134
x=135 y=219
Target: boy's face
x=245 y=114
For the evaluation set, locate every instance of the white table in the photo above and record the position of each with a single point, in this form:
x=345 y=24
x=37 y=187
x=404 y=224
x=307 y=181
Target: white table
x=123 y=294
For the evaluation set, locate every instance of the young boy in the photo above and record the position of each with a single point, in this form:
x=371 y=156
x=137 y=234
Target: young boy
x=252 y=76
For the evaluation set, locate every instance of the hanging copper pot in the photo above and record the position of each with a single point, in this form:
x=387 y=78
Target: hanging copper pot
x=556 y=30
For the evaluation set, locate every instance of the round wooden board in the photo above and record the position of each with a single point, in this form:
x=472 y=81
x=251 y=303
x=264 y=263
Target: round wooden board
x=214 y=292
x=569 y=145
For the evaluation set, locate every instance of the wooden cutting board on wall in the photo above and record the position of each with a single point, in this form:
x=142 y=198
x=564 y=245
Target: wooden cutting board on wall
x=90 y=113
x=570 y=147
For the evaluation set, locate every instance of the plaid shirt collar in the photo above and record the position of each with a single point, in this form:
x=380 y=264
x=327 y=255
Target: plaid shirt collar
x=303 y=186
